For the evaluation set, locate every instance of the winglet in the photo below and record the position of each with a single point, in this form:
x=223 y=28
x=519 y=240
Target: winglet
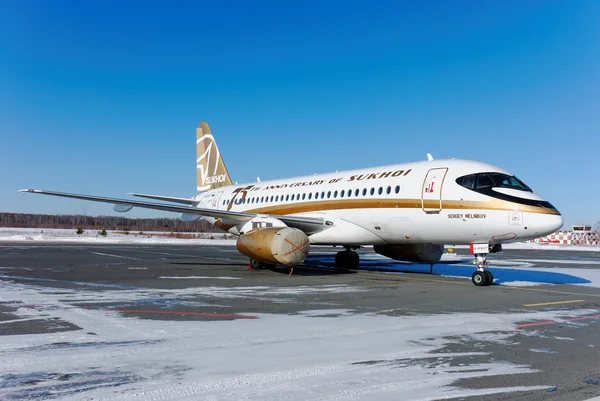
x=29 y=190
x=429 y=157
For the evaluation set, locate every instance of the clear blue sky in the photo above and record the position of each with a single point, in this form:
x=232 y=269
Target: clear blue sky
x=103 y=97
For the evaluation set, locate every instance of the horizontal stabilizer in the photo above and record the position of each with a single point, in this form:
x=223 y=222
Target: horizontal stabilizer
x=185 y=201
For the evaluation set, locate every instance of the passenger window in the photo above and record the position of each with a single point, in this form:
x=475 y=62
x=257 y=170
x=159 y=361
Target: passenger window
x=309 y=195
x=292 y=196
x=328 y=194
x=356 y=192
x=397 y=190
x=303 y=196
x=380 y=191
x=335 y=194
x=342 y=193
x=372 y=191
x=277 y=198
x=364 y=192
x=388 y=190
x=323 y=195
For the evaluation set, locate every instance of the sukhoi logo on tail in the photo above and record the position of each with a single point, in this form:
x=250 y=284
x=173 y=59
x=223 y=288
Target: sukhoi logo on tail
x=207 y=160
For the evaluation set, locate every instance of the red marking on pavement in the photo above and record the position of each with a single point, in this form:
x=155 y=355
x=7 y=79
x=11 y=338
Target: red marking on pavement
x=164 y=312
x=536 y=324
x=297 y=248
x=570 y=319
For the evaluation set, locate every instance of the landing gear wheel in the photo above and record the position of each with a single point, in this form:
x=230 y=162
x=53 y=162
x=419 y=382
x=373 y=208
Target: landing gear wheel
x=354 y=260
x=340 y=260
x=255 y=264
x=479 y=278
x=490 y=277
x=347 y=260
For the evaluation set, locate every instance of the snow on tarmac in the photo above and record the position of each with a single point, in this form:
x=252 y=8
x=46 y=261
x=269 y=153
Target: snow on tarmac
x=324 y=355
x=112 y=237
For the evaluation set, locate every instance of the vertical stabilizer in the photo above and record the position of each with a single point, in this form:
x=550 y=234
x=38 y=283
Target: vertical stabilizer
x=210 y=168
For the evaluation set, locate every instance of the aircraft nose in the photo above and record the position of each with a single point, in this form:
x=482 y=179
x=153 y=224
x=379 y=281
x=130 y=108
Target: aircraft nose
x=549 y=224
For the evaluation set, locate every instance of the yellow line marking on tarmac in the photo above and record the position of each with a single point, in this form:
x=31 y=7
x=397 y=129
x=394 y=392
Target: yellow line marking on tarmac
x=580 y=294
x=556 y=302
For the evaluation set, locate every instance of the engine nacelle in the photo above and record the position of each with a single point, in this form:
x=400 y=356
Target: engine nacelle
x=275 y=245
x=420 y=253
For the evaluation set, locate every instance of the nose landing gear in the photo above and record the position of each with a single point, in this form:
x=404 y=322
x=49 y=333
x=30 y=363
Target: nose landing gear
x=482 y=277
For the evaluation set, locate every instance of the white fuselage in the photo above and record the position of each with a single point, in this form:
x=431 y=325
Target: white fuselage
x=417 y=202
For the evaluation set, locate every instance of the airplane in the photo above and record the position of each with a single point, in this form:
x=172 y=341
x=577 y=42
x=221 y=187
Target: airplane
x=407 y=212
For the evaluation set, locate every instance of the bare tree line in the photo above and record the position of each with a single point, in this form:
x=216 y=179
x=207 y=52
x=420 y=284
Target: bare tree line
x=26 y=220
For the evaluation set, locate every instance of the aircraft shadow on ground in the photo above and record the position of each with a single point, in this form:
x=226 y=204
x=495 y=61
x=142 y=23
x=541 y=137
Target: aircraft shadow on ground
x=311 y=269
x=501 y=275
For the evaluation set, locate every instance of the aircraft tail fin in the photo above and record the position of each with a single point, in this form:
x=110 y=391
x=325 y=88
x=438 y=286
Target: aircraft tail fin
x=210 y=168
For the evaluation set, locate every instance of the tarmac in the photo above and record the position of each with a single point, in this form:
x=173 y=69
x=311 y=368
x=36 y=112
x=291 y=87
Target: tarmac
x=565 y=353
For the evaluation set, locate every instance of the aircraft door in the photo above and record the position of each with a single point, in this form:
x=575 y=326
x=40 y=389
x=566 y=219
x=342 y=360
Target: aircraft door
x=431 y=193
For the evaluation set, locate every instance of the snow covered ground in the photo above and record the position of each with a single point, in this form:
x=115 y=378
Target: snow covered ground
x=112 y=237
x=320 y=355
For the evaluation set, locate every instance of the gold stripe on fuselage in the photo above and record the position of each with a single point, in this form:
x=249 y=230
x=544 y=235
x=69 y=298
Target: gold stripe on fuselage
x=319 y=206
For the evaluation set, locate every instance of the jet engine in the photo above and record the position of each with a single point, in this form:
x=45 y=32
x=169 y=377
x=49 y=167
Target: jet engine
x=275 y=245
x=420 y=253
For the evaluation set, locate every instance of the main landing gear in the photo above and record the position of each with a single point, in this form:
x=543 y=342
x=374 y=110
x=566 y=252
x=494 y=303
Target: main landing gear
x=255 y=265
x=482 y=277
x=347 y=259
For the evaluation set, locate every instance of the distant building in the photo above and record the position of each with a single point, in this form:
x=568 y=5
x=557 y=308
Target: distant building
x=580 y=234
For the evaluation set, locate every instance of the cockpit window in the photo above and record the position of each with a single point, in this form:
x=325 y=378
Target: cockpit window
x=483 y=181
x=507 y=181
x=467 y=181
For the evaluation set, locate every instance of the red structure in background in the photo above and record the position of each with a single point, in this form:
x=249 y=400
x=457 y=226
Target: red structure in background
x=580 y=234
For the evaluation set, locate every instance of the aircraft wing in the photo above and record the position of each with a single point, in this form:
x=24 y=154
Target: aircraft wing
x=306 y=224
x=186 y=201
